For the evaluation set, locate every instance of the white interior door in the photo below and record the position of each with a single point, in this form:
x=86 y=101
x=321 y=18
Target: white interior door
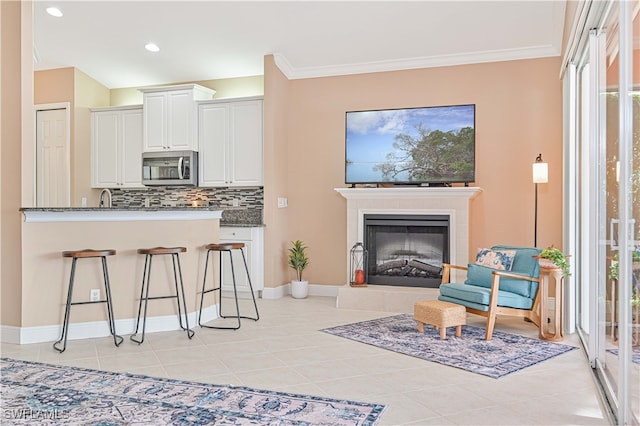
x=52 y=158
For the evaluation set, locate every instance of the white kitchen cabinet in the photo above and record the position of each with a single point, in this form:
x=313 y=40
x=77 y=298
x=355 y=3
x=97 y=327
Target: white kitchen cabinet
x=253 y=239
x=170 y=117
x=230 y=142
x=116 y=147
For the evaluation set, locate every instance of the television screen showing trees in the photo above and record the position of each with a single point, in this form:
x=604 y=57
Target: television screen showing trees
x=411 y=146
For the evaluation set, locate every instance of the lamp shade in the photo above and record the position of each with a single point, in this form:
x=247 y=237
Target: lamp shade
x=540 y=173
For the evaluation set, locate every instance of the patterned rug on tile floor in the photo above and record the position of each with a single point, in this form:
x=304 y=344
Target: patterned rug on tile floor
x=504 y=354
x=39 y=393
x=635 y=354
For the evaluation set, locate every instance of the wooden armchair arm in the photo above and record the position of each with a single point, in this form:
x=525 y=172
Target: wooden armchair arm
x=446 y=271
x=516 y=276
x=495 y=285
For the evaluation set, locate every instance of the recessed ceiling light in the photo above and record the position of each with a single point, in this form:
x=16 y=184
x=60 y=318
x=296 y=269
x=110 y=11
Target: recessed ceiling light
x=152 y=47
x=54 y=11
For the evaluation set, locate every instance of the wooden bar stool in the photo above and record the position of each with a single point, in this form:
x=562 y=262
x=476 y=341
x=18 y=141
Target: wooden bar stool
x=86 y=254
x=226 y=248
x=144 y=292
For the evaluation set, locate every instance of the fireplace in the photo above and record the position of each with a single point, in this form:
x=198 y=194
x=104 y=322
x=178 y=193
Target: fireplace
x=405 y=249
x=451 y=202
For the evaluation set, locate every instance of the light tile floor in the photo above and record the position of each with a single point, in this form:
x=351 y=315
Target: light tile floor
x=285 y=351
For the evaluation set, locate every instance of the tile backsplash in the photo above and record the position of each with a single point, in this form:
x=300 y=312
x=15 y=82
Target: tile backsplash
x=184 y=196
x=240 y=206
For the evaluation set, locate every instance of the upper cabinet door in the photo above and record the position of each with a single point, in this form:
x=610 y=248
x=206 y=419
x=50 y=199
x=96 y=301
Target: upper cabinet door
x=245 y=139
x=170 y=117
x=116 y=147
x=131 y=161
x=180 y=120
x=230 y=141
x=104 y=149
x=155 y=125
x=213 y=142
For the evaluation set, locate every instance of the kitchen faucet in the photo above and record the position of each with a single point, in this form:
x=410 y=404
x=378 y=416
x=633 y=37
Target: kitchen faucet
x=102 y=194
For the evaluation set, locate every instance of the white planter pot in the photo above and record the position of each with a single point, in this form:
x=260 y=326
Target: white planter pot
x=299 y=289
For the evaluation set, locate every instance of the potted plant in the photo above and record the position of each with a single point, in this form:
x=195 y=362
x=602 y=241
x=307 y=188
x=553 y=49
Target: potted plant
x=556 y=258
x=298 y=261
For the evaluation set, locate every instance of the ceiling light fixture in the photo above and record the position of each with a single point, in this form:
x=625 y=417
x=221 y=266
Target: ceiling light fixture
x=152 y=47
x=54 y=11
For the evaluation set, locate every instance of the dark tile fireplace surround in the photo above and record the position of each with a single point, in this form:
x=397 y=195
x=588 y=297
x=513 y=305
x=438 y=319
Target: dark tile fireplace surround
x=405 y=249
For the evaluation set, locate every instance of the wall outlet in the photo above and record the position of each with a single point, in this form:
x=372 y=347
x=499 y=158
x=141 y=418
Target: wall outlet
x=95 y=294
x=84 y=201
x=282 y=202
x=235 y=203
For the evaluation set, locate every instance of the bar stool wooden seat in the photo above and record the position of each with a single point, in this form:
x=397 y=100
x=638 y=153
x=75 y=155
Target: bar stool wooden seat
x=174 y=252
x=86 y=254
x=226 y=248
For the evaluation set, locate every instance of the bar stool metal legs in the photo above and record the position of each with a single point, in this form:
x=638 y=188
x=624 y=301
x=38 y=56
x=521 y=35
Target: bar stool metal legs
x=144 y=291
x=222 y=248
x=82 y=254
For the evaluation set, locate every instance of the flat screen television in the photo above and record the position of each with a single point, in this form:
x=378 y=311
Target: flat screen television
x=428 y=145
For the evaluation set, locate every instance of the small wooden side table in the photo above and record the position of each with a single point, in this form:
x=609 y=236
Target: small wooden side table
x=545 y=274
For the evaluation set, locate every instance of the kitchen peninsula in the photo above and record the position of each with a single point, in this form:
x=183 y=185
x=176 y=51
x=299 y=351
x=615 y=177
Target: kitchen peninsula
x=47 y=232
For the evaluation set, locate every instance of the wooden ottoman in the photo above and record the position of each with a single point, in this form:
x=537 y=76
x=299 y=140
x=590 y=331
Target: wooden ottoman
x=441 y=315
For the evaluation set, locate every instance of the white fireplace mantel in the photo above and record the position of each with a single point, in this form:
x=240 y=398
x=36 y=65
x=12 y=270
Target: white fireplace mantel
x=451 y=201
x=464 y=192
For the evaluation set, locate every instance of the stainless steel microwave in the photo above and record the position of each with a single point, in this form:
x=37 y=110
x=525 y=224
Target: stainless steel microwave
x=170 y=168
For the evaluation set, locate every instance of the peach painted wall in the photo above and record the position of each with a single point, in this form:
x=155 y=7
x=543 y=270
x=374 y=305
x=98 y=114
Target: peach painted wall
x=10 y=165
x=43 y=263
x=276 y=176
x=53 y=86
x=518 y=116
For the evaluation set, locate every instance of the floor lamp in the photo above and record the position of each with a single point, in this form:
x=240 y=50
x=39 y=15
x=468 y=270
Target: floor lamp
x=540 y=175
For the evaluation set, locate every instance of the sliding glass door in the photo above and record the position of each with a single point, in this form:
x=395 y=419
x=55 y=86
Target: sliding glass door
x=628 y=273
x=620 y=290
x=607 y=188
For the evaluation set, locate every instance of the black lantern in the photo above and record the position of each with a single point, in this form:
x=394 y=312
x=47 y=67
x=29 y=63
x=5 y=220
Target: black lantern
x=358 y=275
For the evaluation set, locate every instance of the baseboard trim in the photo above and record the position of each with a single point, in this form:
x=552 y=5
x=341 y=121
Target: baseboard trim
x=275 y=292
x=314 y=290
x=93 y=329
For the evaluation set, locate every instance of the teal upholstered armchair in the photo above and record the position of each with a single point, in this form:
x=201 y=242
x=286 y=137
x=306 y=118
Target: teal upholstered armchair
x=490 y=291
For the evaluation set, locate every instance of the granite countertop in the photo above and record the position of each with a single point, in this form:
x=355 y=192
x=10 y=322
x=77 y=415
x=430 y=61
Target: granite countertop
x=98 y=209
x=234 y=216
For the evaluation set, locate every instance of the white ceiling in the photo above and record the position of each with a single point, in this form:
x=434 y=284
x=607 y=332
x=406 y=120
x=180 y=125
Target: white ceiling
x=204 y=40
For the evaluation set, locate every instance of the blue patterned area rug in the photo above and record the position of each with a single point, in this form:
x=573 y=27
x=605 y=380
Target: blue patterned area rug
x=504 y=354
x=35 y=393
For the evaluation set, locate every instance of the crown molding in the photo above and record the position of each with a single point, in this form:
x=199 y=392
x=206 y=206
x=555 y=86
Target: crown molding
x=293 y=73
